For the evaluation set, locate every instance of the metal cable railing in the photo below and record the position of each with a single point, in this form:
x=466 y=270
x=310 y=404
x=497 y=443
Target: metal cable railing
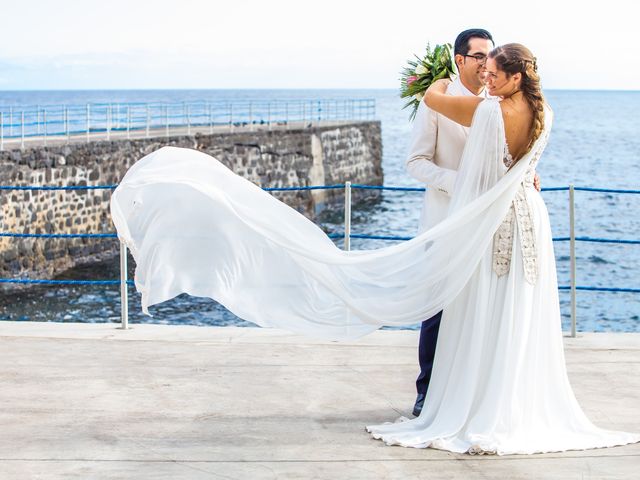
x=62 y=282
x=101 y=120
x=346 y=235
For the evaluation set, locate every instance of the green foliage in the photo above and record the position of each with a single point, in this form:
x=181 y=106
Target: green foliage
x=416 y=77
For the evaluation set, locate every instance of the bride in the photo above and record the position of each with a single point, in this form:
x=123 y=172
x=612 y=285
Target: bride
x=499 y=383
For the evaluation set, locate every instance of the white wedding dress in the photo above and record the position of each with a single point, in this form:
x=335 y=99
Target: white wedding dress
x=499 y=381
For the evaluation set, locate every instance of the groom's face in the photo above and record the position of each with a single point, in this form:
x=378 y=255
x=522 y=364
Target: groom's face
x=471 y=66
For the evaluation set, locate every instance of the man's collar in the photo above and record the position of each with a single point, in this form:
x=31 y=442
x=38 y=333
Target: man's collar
x=465 y=91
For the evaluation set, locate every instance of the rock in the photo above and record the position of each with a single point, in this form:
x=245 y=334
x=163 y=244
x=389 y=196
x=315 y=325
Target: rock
x=10 y=254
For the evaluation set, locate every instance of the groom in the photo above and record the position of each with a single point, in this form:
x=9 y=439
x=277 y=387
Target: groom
x=434 y=156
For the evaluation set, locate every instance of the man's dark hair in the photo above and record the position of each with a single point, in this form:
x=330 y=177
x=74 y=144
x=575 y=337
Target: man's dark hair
x=461 y=46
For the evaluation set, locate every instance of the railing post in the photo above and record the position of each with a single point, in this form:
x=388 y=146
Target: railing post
x=109 y=116
x=572 y=258
x=1 y=131
x=128 y=122
x=188 y=120
x=231 y=117
x=250 y=116
x=210 y=119
x=88 y=121
x=44 y=125
x=347 y=216
x=66 y=122
x=269 y=116
x=22 y=130
x=148 y=119
x=124 y=294
x=38 y=119
x=11 y=121
x=347 y=232
x=166 y=120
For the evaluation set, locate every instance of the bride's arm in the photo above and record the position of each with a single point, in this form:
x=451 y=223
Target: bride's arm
x=458 y=108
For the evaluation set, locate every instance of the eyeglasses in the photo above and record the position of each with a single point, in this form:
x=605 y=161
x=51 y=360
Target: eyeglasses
x=478 y=57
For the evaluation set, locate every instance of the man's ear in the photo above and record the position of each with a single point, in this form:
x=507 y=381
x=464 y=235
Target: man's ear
x=459 y=59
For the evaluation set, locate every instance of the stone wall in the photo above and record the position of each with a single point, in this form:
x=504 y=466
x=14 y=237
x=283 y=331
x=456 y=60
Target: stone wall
x=283 y=158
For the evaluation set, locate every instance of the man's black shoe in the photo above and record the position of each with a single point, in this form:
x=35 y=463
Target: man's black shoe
x=417 y=408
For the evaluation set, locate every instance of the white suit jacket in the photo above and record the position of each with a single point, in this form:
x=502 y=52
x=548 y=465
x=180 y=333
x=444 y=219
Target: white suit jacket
x=434 y=156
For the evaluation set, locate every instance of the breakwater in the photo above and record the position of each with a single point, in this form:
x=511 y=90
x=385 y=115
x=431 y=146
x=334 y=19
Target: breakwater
x=285 y=157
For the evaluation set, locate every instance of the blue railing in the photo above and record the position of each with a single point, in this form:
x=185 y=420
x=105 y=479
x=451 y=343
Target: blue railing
x=346 y=235
x=100 y=120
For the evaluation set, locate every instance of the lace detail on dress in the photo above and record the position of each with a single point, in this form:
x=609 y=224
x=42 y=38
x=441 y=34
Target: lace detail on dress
x=527 y=235
x=502 y=244
x=519 y=214
x=507 y=159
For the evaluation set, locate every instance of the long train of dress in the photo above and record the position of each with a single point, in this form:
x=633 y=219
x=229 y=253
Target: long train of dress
x=499 y=382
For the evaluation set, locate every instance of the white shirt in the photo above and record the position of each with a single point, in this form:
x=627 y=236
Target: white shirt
x=434 y=156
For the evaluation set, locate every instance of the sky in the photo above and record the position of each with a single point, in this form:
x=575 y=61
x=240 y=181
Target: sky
x=133 y=44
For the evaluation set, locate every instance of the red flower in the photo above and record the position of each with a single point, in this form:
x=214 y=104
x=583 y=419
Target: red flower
x=411 y=79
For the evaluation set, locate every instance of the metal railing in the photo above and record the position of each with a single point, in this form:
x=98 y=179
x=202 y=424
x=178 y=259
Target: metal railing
x=123 y=282
x=104 y=120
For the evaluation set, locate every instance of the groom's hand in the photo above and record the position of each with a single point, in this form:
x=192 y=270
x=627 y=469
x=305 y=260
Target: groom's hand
x=536 y=182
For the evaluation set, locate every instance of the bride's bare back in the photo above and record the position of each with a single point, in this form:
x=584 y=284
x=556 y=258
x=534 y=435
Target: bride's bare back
x=518 y=122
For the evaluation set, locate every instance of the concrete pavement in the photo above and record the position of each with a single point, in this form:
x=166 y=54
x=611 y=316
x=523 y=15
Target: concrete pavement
x=91 y=401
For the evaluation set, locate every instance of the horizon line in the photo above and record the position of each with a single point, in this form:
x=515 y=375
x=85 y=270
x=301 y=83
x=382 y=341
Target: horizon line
x=273 y=89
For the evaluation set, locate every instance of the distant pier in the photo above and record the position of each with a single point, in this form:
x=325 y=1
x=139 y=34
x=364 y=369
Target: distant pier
x=43 y=125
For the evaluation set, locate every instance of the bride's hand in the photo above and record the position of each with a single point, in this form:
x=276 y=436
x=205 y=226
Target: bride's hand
x=436 y=89
x=440 y=86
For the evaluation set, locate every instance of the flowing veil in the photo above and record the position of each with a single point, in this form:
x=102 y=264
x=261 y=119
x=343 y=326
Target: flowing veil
x=195 y=227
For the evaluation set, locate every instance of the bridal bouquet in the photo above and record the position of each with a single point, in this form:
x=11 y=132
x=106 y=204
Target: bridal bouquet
x=418 y=75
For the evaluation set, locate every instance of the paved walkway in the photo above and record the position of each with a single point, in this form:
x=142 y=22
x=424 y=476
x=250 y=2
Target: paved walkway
x=172 y=402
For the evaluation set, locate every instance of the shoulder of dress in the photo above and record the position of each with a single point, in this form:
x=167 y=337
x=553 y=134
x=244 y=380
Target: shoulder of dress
x=489 y=105
x=548 y=113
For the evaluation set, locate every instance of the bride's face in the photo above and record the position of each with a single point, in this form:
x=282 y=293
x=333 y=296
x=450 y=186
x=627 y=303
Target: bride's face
x=499 y=84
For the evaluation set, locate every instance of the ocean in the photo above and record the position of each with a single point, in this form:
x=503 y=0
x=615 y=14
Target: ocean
x=595 y=142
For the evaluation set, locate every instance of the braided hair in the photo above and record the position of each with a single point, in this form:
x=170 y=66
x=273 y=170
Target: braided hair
x=515 y=58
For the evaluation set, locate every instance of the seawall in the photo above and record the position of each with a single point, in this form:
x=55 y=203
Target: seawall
x=317 y=155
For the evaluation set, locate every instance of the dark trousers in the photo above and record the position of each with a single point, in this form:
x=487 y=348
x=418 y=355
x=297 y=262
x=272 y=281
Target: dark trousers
x=427 y=350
